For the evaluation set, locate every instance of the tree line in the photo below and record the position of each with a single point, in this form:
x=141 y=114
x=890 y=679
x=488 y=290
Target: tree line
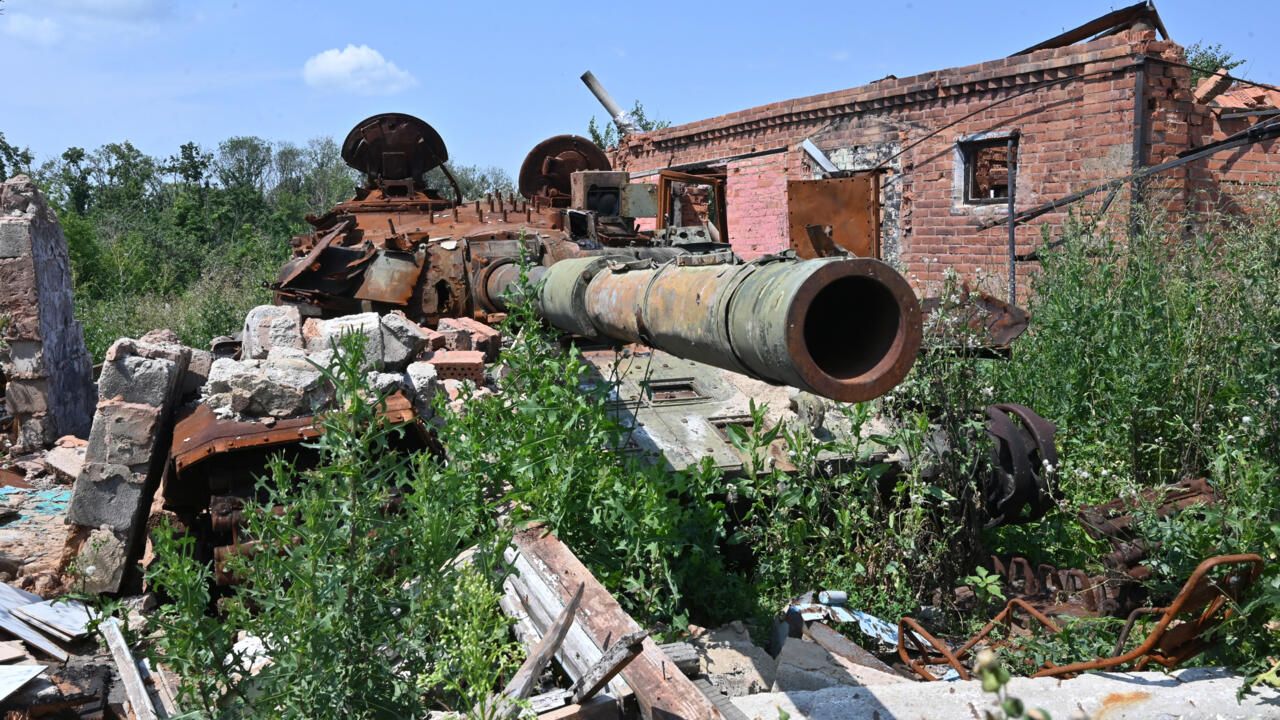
x=188 y=241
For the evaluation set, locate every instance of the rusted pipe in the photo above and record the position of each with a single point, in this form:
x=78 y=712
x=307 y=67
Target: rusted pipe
x=844 y=328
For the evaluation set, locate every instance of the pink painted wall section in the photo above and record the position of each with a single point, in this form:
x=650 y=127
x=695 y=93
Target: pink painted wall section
x=756 y=196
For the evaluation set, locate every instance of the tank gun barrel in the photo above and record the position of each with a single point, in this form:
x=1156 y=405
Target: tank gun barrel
x=845 y=328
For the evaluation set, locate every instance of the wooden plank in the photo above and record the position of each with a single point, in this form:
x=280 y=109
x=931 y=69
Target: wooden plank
x=684 y=656
x=662 y=691
x=541 y=603
x=134 y=688
x=13 y=677
x=67 y=617
x=614 y=660
x=722 y=702
x=521 y=684
x=159 y=689
x=600 y=707
x=837 y=644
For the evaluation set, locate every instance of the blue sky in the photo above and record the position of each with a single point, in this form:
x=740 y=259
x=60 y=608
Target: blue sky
x=495 y=78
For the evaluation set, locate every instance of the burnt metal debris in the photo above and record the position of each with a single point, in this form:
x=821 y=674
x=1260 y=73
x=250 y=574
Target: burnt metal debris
x=1207 y=599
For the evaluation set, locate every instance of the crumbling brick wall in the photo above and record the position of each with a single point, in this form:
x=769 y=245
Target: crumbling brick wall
x=49 y=375
x=1072 y=134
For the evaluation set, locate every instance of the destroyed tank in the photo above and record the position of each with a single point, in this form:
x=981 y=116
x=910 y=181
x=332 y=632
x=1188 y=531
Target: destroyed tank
x=843 y=328
x=690 y=333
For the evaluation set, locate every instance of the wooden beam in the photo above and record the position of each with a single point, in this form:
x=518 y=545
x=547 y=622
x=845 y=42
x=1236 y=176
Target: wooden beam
x=134 y=689
x=600 y=707
x=661 y=690
x=521 y=684
x=614 y=660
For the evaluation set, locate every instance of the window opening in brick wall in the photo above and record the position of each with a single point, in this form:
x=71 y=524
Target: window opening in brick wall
x=986 y=170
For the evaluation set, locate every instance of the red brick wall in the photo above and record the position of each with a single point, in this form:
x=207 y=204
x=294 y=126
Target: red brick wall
x=1073 y=134
x=756 y=198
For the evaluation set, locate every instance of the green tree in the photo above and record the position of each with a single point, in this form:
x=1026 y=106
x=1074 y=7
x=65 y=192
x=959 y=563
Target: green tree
x=606 y=135
x=1206 y=59
x=13 y=159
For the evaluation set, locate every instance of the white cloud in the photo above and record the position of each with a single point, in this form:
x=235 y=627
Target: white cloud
x=116 y=9
x=42 y=31
x=358 y=69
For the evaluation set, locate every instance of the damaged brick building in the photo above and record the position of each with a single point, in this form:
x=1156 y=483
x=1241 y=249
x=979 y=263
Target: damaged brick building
x=1093 y=104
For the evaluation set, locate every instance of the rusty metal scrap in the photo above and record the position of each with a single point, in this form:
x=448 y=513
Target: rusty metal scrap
x=1114 y=521
x=1023 y=460
x=1206 y=600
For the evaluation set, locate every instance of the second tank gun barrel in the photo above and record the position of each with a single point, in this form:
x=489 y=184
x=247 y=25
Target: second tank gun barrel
x=845 y=328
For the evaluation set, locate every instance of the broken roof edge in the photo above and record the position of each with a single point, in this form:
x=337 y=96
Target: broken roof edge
x=1113 y=47
x=1104 y=26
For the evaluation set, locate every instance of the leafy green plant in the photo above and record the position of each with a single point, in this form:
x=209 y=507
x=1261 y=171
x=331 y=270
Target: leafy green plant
x=986 y=586
x=352 y=592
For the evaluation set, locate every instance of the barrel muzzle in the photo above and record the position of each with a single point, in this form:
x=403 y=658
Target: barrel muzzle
x=844 y=328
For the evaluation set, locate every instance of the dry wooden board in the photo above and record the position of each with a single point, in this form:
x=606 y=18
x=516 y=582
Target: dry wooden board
x=134 y=688
x=68 y=617
x=11 y=650
x=660 y=688
x=13 y=677
x=540 y=604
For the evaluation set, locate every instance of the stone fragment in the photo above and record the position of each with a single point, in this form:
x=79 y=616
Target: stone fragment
x=804 y=665
x=65 y=461
x=402 y=340
x=733 y=663
x=330 y=332
x=108 y=495
x=15 y=239
x=482 y=337
x=268 y=326
x=27 y=397
x=384 y=383
x=123 y=434
x=422 y=378
x=455 y=338
x=197 y=373
x=102 y=561
x=137 y=379
x=283 y=386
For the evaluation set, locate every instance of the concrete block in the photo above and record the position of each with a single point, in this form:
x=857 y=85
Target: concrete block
x=330 y=332
x=804 y=665
x=402 y=340
x=732 y=663
x=483 y=337
x=15 y=239
x=455 y=338
x=197 y=373
x=384 y=383
x=124 y=434
x=107 y=495
x=25 y=359
x=268 y=326
x=137 y=379
x=65 y=461
x=35 y=433
x=27 y=397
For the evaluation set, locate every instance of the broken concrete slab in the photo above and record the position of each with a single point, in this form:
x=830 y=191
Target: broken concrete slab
x=268 y=326
x=1191 y=694
x=107 y=495
x=422 y=378
x=66 y=459
x=402 y=340
x=137 y=379
x=805 y=665
x=327 y=334
x=734 y=664
x=123 y=433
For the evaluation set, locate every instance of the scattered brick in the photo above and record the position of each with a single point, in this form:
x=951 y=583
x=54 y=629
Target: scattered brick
x=459 y=365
